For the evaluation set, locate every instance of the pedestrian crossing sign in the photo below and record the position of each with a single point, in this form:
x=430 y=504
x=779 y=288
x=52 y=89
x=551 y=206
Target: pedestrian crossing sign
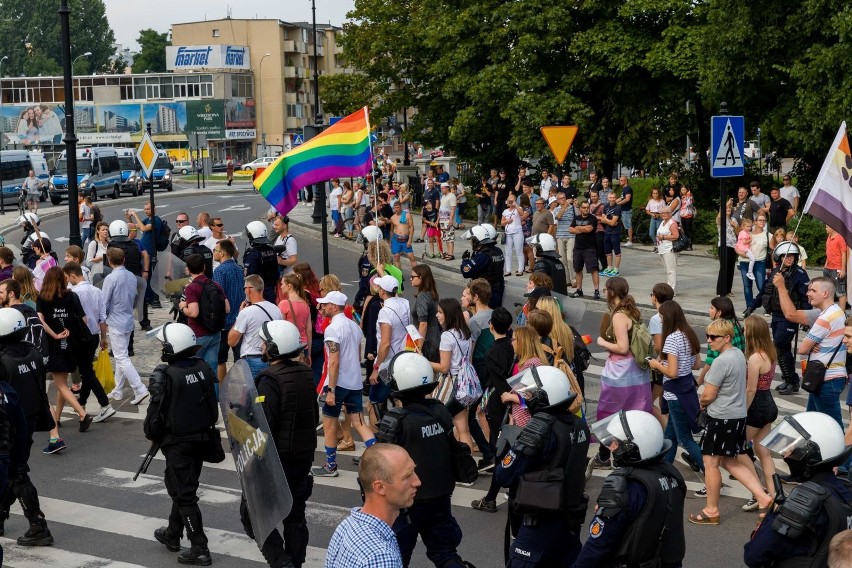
x=727 y=134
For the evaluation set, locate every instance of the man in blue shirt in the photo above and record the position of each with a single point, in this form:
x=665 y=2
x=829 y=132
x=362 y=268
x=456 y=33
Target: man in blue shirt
x=149 y=228
x=365 y=539
x=229 y=275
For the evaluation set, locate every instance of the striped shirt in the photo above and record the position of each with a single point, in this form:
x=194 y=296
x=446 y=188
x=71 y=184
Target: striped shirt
x=563 y=224
x=363 y=541
x=827 y=332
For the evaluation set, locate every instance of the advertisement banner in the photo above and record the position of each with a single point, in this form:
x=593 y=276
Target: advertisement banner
x=239 y=113
x=245 y=134
x=192 y=57
x=206 y=117
x=33 y=124
x=125 y=118
x=166 y=119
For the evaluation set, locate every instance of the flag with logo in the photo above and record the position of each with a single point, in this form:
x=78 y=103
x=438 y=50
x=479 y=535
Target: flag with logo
x=830 y=200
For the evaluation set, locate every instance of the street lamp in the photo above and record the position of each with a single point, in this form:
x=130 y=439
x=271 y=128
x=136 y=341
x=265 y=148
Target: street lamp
x=70 y=135
x=2 y=136
x=73 y=63
x=260 y=105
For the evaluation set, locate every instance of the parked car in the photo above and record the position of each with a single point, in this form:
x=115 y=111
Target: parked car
x=182 y=167
x=260 y=163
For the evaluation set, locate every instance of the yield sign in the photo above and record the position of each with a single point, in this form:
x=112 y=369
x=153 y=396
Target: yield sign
x=147 y=154
x=559 y=138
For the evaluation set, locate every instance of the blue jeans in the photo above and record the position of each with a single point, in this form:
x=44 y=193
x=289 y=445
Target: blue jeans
x=678 y=431
x=317 y=358
x=652 y=228
x=827 y=400
x=759 y=279
x=256 y=364
x=458 y=213
x=210 y=349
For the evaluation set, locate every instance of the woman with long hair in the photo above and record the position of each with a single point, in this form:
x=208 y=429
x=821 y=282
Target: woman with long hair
x=687 y=213
x=96 y=251
x=455 y=344
x=61 y=314
x=562 y=335
x=528 y=353
x=425 y=310
x=42 y=249
x=676 y=361
x=296 y=308
x=624 y=385
x=23 y=276
x=312 y=288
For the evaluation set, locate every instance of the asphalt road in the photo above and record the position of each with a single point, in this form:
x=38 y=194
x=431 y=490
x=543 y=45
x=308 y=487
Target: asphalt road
x=99 y=517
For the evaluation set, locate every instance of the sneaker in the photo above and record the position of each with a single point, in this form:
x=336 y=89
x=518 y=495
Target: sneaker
x=628 y=243
x=750 y=275
x=597 y=295
x=106 y=412
x=605 y=272
x=86 y=422
x=614 y=272
x=485 y=466
x=53 y=447
x=596 y=463
x=197 y=555
x=690 y=462
x=790 y=388
x=484 y=505
x=139 y=398
x=116 y=395
x=156 y=305
x=577 y=294
x=36 y=536
x=751 y=505
x=324 y=471
x=701 y=492
x=163 y=536
x=146 y=327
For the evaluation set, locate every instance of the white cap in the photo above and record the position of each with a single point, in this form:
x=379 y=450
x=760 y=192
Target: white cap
x=387 y=283
x=445 y=184
x=333 y=297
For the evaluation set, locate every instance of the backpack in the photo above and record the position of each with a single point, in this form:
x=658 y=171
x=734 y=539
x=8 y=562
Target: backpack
x=35 y=331
x=211 y=306
x=97 y=216
x=163 y=235
x=582 y=355
x=578 y=406
x=641 y=343
x=468 y=388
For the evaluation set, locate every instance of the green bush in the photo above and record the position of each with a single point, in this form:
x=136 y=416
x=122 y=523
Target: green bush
x=812 y=237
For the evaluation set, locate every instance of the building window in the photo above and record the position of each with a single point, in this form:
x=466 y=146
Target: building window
x=216 y=32
x=242 y=86
x=295 y=111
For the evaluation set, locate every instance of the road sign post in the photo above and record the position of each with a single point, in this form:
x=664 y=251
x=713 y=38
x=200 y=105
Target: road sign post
x=727 y=136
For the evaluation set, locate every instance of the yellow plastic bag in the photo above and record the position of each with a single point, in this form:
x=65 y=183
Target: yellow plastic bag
x=103 y=371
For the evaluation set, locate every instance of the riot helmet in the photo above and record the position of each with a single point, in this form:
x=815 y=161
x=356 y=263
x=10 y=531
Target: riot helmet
x=189 y=235
x=119 y=231
x=786 y=248
x=634 y=436
x=257 y=233
x=543 y=388
x=13 y=326
x=809 y=442
x=411 y=375
x=371 y=233
x=28 y=220
x=543 y=244
x=281 y=338
x=483 y=234
x=178 y=341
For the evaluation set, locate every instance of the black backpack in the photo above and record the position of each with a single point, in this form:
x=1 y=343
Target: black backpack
x=211 y=306
x=35 y=330
x=163 y=236
x=582 y=355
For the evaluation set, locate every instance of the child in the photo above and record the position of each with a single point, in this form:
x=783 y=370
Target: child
x=803 y=256
x=743 y=246
x=430 y=217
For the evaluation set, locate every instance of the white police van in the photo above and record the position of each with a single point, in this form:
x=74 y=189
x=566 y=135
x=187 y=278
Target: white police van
x=98 y=173
x=15 y=166
x=162 y=174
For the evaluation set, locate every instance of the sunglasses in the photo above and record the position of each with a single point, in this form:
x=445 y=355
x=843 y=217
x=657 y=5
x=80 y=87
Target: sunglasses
x=217 y=225
x=714 y=337
x=181 y=220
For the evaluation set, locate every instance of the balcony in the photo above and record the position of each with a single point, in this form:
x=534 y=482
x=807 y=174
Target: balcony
x=291 y=72
x=292 y=123
x=291 y=98
x=338 y=49
x=293 y=46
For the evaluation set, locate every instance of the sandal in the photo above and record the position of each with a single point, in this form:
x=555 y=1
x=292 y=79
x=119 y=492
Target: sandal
x=419 y=241
x=703 y=518
x=449 y=257
x=529 y=271
x=505 y=274
x=519 y=273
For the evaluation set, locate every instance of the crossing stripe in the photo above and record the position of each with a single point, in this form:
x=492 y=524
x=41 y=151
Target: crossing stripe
x=15 y=556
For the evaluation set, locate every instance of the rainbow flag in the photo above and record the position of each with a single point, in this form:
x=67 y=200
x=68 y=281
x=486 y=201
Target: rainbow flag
x=342 y=150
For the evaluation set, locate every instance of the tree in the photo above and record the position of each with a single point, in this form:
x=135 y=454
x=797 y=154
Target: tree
x=152 y=52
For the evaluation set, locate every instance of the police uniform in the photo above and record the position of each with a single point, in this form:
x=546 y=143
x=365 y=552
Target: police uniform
x=553 y=267
x=13 y=434
x=551 y=446
x=182 y=412
x=784 y=331
x=818 y=509
x=425 y=429
x=288 y=397
x=22 y=366
x=639 y=518
x=261 y=259
x=132 y=255
x=198 y=248
x=487 y=262
x=365 y=270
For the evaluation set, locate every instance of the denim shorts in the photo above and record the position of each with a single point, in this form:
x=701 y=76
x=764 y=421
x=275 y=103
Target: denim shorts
x=351 y=398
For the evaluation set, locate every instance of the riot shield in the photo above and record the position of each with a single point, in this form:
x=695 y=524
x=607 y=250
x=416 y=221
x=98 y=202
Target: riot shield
x=169 y=279
x=573 y=310
x=264 y=484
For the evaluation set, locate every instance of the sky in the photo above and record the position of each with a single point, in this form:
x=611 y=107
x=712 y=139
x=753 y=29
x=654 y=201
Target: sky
x=128 y=18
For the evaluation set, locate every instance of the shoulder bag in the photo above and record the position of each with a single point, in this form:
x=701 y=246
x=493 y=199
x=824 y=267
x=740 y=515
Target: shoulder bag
x=814 y=375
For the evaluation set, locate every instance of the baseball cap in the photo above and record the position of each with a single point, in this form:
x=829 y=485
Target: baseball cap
x=333 y=297
x=537 y=292
x=445 y=184
x=387 y=283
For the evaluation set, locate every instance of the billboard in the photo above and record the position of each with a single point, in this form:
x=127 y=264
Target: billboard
x=196 y=57
x=167 y=119
x=239 y=113
x=206 y=117
x=33 y=124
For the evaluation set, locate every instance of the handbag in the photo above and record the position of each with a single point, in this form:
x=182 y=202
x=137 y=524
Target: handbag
x=446 y=389
x=681 y=243
x=103 y=371
x=814 y=375
x=702 y=418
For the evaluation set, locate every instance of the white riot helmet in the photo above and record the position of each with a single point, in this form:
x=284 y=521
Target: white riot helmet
x=119 y=231
x=178 y=339
x=809 y=442
x=411 y=373
x=543 y=388
x=633 y=436
x=786 y=248
x=282 y=339
x=543 y=244
x=371 y=233
x=28 y=218
x=257 y=233
x=481 y=235
x=189 y=234
x=35 y=237
x=13 y=326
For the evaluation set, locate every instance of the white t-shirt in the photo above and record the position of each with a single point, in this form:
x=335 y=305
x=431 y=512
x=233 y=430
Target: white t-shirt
x=334 y=198
x=348 y=335
x=678 y=344
x=515 y=226
x=205 y=232
x=86 y=213
x=291 y=249
x=248 y=323
x=448 y=201
x=789 y=193
x=655 y=325
x=453 y=341
x=395 y=312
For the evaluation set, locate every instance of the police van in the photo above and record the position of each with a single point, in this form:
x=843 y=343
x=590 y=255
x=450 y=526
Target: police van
x=129 y=167
x=98 y=174
x=162 y=174
x=15 y=166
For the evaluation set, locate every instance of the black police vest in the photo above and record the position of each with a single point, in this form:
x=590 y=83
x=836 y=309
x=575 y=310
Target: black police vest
x=568 y=465
x=839 y=514
x=198 y=248
x=268 y=270
x=132 y=255
x=295 y=437
x=191 y=406
x=23 y=368
x=771 y=299
x=426 y=428
x=494 y=271
x=658 y=530
x=556 y=270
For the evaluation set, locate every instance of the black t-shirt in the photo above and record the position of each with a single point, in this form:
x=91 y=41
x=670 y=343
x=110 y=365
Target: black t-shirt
x=502 y=190
x=778 y=212
x=585 y=240
x=65 y=312
x=611 y=211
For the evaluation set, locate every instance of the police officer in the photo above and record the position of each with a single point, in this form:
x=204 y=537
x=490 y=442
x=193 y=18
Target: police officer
x=639 y=517
x=424 y=427
x=29 y=257
x=28 y=221
x=193 y=243
x=181 y=418
x=287 y=394
x=799 y=530
x=786 y=257
x=119 y=238
x=22 y=366
x=486 y=260
x=260 y=258
x=365 y=271
x=13 y=434
x=546 y=467
x=547 y=261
